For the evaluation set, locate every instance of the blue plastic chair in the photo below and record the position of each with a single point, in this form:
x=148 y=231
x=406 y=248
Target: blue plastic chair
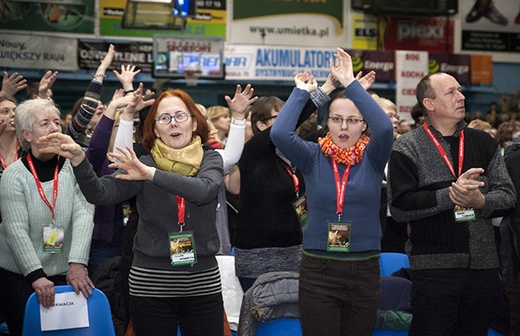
x=390 y=333
x=280 y=327
x=493 y=332
x=392 y=261
x=100 y=317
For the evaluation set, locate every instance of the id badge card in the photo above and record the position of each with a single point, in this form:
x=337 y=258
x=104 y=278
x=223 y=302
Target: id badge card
x=300 y=206
x=464 y=214
x=182 y=249
x=338 y=237
x=53 y=239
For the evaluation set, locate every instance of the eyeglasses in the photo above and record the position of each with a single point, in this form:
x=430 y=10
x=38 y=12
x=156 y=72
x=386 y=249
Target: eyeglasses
x=271 y=117
x=166 y=119
x=350 y=121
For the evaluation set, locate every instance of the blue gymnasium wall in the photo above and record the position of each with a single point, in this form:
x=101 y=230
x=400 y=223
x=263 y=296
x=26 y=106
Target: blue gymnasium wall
x=506 y=78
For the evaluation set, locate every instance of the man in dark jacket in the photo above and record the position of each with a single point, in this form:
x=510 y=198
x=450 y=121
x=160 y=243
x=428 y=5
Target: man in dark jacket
x=510 y=233
x=447 y=181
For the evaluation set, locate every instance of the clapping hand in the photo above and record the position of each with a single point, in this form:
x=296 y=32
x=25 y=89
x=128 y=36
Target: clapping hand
x=367 y=80
x=465 y=192
x=305 y=81
x=343 y=70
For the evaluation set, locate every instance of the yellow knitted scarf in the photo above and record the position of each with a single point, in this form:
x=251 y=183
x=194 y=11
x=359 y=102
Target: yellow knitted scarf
x=185 y=161
x=349 y=156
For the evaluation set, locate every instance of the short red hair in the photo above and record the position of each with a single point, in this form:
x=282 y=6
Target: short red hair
x=149 y=123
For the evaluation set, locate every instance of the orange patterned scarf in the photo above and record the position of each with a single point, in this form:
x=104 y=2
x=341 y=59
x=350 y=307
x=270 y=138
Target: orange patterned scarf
x=349 y=156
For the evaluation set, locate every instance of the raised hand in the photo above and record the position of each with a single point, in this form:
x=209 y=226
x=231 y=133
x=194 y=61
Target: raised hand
x=45 y=87
x=105 y=62
x=126 y=76
x=331 y=84
x=241 y=100
x=343 y=70
x=12 y=84
x=118 y=93
x=367 y=80
x=305 y=81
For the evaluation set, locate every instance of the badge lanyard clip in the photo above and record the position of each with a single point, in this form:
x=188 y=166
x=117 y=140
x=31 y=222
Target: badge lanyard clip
x=181 y=206
x=341 y=187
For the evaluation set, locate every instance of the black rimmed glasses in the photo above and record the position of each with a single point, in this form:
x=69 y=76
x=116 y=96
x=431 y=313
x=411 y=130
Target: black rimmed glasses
x=165 y=118
x=268 y=118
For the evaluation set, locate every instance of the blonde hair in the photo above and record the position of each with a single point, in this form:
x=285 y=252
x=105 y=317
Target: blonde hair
x=204 y=112
x=215 y=112
x=385 y=103
x=480 y=125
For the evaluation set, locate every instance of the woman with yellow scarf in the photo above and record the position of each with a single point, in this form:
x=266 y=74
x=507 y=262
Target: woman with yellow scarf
x=174 y=280
x=339 y=272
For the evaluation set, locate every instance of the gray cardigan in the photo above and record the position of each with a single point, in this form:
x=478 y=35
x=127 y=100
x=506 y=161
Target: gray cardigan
x=24 y=215
x=157 y=207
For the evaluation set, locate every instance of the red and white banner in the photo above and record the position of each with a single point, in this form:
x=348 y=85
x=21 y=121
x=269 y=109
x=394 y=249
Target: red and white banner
x=410 y=67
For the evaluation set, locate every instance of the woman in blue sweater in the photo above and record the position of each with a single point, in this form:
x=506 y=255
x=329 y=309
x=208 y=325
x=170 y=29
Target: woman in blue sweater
x=339 y=274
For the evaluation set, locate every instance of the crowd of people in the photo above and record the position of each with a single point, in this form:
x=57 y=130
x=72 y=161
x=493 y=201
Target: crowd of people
x=261 y=179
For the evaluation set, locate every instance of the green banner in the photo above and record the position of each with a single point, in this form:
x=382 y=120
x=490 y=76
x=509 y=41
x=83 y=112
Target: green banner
x=243 y=9
x=63 y=16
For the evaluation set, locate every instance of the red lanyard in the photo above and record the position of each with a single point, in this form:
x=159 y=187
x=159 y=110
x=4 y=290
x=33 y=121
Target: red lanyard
x=296 y=181
x=443 y=152
x=4 y=165
x=341 y=188
x=181 y=207
x=39 y=185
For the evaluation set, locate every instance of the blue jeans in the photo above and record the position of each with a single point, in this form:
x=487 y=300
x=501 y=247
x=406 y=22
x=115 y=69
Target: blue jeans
x=196 y=315
x=338 y=297
x=453 y=301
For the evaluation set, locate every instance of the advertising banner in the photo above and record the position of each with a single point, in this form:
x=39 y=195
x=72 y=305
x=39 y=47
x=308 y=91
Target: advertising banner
x=276 y=63
x=210 y=20
x=60 y=16
x=365 y=32
x=382 y=62
x=456 y=65
x=287 y=22
x=401 y=33
x=411 y=66
x=38 y=52
x=140 y=54
x=490 y=25
x=481 y=69
x=427 y=34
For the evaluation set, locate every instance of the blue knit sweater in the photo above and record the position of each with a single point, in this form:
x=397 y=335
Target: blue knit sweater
x=363 y=191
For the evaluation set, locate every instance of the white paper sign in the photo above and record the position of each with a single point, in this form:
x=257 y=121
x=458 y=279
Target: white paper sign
x=69 y=311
